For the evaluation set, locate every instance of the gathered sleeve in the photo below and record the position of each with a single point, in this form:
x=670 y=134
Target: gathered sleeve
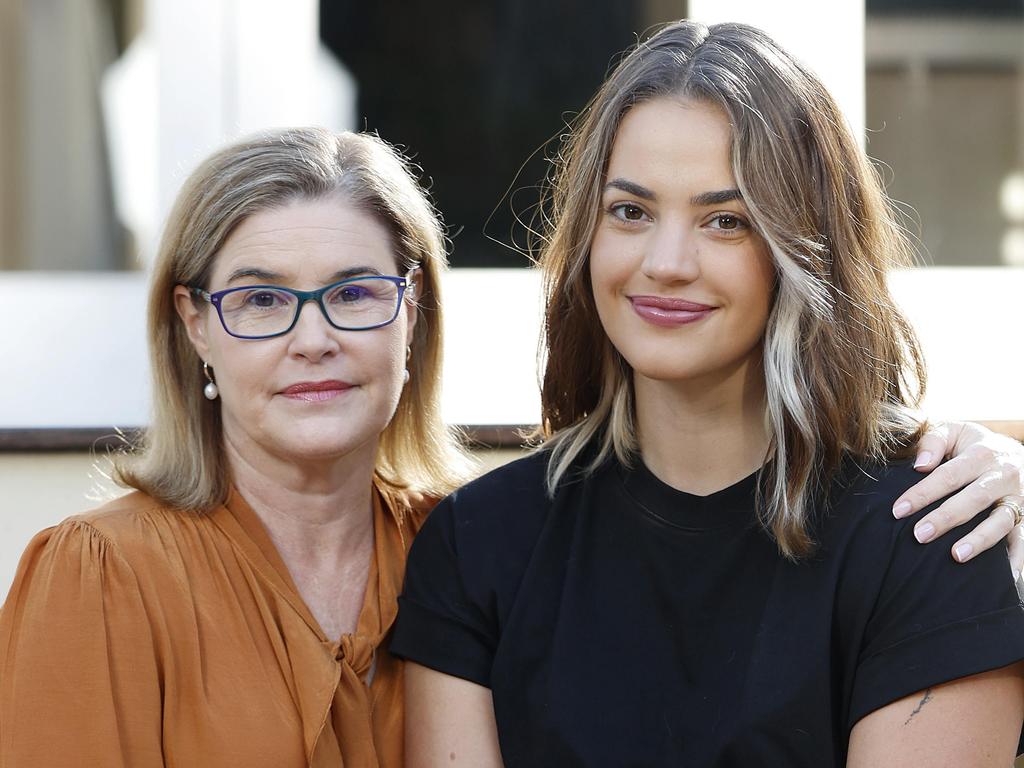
x=80 y=676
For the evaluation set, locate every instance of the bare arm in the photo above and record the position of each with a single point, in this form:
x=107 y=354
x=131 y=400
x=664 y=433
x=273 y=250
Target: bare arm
x=448 y=721
x=974 y=721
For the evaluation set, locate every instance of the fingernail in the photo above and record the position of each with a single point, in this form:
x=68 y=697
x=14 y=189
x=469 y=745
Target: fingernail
x=963 y=552
x=925 y=457
x=924 y=532
x=902 y=509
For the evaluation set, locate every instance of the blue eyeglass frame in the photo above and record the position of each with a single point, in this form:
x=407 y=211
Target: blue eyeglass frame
x=403 y=283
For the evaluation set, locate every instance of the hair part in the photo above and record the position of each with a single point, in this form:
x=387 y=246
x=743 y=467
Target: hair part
x=180 y=458
x=843 y=370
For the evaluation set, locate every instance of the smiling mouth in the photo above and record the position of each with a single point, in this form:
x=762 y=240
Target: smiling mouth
x=669 y=313
x=316 y=391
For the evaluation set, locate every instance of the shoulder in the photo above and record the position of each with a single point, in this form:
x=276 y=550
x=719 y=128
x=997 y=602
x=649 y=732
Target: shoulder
x=863 y=484
x=102 y=552
x=134 y=523
x=917 y=618
x=861 y=498
x=509 y=503
x=518 y=484
x=131 y=534
x=490 y=523
x=123 y=513
x=510 y=486
x=883 y=567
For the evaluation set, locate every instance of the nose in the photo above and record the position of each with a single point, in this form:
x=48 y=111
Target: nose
x=312 y=337
x=672 y=254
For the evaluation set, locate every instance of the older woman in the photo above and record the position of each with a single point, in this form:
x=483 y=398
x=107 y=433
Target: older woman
x=232 y=610
x=696 y=569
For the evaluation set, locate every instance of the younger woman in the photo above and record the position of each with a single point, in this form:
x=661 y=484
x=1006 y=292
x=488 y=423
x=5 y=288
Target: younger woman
x=698 y=568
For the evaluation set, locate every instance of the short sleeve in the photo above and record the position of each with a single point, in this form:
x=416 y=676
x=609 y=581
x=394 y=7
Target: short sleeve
x=440 y=625
x=935 y=621
x=79 y=682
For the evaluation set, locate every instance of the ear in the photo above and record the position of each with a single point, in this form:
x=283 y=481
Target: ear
x=194 y=320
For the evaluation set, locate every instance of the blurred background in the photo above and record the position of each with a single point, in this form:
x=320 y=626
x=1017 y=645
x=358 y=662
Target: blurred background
x=106 y=105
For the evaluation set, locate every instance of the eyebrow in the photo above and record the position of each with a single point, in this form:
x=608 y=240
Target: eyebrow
x=276 y=277
x=716 y=198
x=632 y=188
x=703 y=199
x=259 y=274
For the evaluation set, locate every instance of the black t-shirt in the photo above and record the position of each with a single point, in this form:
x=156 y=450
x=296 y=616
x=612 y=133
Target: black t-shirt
x=625 y=623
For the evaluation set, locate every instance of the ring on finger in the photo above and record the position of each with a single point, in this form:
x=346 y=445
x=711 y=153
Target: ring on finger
x=1015 y=508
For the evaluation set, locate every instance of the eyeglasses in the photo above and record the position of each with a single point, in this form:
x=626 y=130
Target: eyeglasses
x=265 y=311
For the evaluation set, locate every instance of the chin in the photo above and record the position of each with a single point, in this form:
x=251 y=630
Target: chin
x=661 y=365
x=325 y=438
x=327 y=449
x=690 y=362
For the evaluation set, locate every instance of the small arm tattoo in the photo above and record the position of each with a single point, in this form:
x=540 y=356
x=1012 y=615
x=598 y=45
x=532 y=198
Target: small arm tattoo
x=924 y=700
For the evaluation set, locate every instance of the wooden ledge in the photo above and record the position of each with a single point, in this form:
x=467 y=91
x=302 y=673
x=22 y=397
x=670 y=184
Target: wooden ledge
x=58 y=439
x=101 y=439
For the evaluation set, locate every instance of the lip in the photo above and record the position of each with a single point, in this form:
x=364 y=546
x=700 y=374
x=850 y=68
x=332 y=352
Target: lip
x=316 y=391
x=667 y=312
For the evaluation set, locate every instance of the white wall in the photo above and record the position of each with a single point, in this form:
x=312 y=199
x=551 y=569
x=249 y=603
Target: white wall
x=828 y=37
x=77 y=356
x=201 y=73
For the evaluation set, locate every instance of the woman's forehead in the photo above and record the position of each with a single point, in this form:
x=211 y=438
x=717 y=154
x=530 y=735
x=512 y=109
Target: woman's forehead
x=307 y=240
x=669 y=141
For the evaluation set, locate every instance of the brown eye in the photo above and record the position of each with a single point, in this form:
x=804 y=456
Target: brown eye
x=627 y=212
x=728 y=222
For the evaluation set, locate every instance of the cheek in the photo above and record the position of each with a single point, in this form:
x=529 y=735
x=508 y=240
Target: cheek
x=379 y=360
x=243 y=367
x=608 y=268
x=758 y=281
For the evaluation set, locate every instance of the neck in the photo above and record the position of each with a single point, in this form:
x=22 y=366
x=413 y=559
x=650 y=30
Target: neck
x=318 y=514
x=703 y=435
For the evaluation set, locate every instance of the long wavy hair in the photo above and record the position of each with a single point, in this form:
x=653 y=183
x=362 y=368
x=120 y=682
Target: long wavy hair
x=843 y=369
x=180 y=459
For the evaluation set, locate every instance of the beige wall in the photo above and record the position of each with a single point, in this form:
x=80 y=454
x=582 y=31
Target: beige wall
x=41 y=489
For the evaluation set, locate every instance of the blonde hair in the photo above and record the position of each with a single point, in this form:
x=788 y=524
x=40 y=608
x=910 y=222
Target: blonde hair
x=843 y=369
x=180 y=459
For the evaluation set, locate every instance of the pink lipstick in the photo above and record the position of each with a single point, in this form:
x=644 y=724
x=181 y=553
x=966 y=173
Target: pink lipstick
x=669 y=313
x=316 y=391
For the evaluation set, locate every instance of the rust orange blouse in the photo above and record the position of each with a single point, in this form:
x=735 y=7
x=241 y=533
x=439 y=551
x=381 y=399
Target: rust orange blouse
x=137 y=636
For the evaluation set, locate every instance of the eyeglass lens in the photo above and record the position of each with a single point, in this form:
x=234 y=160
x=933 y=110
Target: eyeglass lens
x=356 y=304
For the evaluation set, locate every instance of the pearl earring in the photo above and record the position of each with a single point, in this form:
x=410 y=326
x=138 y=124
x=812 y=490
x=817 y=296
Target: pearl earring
x=210 y=390
x=405 y=373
